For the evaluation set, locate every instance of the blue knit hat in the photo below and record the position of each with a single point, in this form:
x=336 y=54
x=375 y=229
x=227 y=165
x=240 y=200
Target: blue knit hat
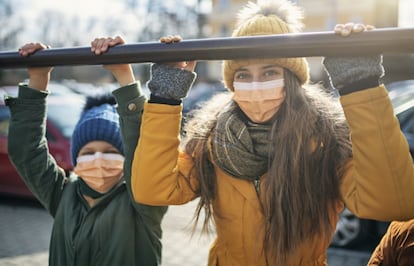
x=97 y=123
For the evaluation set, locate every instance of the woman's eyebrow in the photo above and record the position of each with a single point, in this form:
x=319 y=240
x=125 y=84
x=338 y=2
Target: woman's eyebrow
x=270 y=66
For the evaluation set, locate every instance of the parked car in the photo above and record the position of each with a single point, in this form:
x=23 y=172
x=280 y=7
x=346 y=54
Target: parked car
x=352 y=232
x=64 y=109
x=200 y=93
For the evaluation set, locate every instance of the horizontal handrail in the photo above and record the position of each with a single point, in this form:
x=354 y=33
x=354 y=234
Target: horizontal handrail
x=309 y=44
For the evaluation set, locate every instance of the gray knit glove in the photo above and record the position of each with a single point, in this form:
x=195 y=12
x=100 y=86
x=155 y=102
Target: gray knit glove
x=170 y=82
x=349 y=74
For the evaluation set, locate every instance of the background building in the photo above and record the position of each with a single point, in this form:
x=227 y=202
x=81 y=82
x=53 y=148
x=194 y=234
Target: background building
x=321 y=15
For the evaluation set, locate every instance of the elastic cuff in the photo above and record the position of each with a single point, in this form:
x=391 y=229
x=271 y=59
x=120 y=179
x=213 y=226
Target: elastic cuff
x=156 y=99
x=359 y=85
x=128 y=92
x=25 y=92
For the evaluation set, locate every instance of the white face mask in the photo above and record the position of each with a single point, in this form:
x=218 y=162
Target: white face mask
x=259 y=100
x=101 y=171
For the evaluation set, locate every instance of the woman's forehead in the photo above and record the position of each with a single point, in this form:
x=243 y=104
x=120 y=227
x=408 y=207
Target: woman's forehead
x=258 y=67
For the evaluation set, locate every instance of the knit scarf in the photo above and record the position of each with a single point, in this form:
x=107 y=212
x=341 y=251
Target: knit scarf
x=241 y=148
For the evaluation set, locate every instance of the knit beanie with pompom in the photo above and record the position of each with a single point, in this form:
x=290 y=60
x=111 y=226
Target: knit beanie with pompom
x=99 y=121
x=268 y=17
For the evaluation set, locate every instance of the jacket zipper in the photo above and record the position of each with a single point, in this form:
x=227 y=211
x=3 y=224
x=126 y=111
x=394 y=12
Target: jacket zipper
x=256 y=183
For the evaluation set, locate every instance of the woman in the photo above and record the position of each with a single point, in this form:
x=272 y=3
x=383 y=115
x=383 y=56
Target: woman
x=96 y=221
x=271 y=161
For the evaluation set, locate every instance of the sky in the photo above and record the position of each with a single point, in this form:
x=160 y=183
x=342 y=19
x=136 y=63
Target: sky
x=105 y=8
x=406 y=9
x=91 y=7
x=122 y=21
x=114 y=9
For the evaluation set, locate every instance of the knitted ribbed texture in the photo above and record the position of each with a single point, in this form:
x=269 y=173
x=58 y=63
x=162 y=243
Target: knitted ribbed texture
x=268 y=17
x=98 y=123
x=170 y=82
x=345 y=71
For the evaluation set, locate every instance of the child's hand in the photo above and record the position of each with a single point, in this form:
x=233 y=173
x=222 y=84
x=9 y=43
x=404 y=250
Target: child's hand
x=122 y=72
x=38 y=76
x=102 y=45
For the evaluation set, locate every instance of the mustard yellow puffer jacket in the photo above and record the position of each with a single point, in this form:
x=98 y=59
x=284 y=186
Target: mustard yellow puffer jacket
x=378 y=182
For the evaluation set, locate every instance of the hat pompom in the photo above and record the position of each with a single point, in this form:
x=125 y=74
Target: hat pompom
x=267 y=17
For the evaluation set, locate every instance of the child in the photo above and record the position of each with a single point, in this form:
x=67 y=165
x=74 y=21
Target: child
x=96 y=221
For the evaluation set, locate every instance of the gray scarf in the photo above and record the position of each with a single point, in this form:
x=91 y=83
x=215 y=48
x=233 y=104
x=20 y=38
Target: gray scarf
x=241 y=148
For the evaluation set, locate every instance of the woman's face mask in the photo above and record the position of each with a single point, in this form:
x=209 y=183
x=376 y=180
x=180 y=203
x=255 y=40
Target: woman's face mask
x=259 y=100
x=101 y=171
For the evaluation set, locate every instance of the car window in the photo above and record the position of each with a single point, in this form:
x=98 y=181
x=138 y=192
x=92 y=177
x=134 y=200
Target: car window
x=401 y=92
x=64 y=117
x=402 y=99
x=4 y=121
x=406 y=119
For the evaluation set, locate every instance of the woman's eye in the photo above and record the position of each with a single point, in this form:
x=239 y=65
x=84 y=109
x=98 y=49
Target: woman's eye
x=241 y=76
x=270 y=73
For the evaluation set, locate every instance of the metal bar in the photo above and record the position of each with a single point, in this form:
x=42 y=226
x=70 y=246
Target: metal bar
x=311 y=44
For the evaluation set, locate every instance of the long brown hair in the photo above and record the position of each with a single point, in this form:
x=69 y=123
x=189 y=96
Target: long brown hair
x=311 y=143
x=197 y=130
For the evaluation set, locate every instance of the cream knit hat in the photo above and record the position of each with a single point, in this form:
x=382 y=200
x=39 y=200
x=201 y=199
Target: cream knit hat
x=268 y=17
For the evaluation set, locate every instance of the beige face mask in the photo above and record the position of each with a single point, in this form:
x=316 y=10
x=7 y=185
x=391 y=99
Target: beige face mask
x=259 y=100
x=101 y=171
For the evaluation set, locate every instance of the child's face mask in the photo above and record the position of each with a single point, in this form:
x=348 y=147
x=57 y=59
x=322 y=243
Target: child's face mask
x=101 y=171
x=259 y=100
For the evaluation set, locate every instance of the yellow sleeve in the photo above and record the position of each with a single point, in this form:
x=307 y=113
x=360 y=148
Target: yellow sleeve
x=379 y=181
x=161 y=174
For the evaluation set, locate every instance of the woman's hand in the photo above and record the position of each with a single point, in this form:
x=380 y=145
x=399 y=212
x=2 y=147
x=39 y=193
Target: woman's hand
x=38 y=76
x=349 y=28
x=187 y=65
x=353 y=73
x=172 y=80
x=122 y=72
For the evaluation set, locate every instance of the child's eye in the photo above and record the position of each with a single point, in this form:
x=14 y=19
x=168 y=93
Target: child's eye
x=87 y=153
x=112 y=151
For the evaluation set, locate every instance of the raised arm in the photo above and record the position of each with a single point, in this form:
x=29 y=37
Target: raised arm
x=27 y=144
x=130 y=99
x=380 y=181
x=160 y=172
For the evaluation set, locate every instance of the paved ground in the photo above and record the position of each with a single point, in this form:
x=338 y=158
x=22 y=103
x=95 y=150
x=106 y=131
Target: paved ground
x=25 y=231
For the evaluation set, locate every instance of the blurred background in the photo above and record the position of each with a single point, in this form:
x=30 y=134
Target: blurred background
x=69 y=23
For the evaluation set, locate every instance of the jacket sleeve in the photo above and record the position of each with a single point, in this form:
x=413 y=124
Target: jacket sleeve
x=379 y=182
x=130 y=101
x=396 y=246
x=28 y=150
x=161 y=174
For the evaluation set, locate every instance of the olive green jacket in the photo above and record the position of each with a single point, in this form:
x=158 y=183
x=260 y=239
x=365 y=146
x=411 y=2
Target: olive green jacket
x=116 y=231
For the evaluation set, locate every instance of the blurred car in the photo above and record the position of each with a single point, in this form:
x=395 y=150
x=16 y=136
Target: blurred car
x=352 y=232
x=63 y=112
x=200 y=93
